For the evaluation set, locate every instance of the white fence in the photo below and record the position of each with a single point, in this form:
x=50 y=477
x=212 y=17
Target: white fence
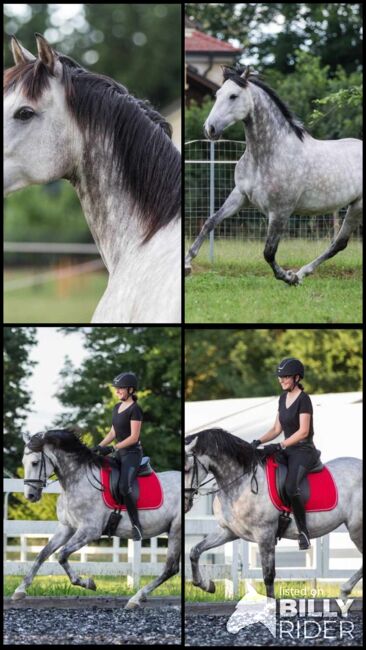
x=134 y=567
x=209 y=179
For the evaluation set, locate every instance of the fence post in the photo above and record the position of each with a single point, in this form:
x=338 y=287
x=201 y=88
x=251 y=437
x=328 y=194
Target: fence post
x=134 y=560
x=212 y=195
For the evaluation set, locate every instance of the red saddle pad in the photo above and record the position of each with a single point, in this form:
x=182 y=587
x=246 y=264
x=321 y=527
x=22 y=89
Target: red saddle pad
x=150 y=497
x=323 y=490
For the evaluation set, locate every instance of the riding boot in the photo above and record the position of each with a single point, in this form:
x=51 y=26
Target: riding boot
x=300 y=518
x=134 y=517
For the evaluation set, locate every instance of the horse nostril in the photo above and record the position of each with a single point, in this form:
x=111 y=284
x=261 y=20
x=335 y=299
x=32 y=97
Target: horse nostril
x=212 y=131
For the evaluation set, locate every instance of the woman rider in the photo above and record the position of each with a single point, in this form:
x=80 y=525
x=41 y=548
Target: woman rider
x=295 y=419
x=126 y=426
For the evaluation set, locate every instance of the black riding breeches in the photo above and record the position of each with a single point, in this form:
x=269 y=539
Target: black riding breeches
x=299 y=462
x=130 y=463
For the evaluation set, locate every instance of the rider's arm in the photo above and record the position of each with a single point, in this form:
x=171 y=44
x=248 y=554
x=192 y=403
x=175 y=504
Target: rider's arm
x=109 y=437
x=301 y=433
x=273 y=432
x=133 y=438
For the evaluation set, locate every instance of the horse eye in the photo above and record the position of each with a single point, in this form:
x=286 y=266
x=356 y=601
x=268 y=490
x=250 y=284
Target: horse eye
x=24 y=114
x=34 y=463
x=233 y=96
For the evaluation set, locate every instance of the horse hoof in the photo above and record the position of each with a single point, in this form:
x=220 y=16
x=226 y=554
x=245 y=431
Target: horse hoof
x=18 y=595
x=132 y=605
x=91 y=584
x=292 y=278
x=187 y=270
x=211 y=587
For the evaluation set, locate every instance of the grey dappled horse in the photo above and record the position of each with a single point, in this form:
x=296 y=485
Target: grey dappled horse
x=62 y=121
x=81 y=511
x=283 y=170
x=242 y=513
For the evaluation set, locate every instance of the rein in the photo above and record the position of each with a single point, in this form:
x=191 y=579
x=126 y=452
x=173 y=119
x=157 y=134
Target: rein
x=196 y=490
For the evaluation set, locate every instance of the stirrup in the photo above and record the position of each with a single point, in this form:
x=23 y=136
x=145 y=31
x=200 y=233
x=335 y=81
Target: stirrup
x=136 y=533
x=304 y=541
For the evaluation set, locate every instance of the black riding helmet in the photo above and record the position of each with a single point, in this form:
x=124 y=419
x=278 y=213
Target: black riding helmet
x=290 y=367
x=125 y=380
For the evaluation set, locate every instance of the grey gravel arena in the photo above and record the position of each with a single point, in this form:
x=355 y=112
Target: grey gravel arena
x=93 y=626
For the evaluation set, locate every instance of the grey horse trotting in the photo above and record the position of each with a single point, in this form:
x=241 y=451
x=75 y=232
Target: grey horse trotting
x=284 y=170
x=82 y=513
x=243 y=508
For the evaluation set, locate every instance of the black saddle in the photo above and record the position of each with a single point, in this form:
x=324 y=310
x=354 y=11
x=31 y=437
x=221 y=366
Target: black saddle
x=281 y=474
x=144 y=470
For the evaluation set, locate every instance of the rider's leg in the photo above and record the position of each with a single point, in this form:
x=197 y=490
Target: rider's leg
x=129 y=467
x=296 y=473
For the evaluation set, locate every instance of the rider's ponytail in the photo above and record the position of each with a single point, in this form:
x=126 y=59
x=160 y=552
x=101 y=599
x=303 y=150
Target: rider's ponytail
x=300 y=386
x=134 y=397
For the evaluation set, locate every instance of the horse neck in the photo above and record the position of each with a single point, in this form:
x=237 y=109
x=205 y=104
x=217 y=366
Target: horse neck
x=225 y=470
x=109 y=212
x=68 y=469
x=265 y=130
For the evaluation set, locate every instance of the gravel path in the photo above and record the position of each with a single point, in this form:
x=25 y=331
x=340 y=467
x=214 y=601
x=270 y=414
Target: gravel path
x=211 y=631
x=93 y=626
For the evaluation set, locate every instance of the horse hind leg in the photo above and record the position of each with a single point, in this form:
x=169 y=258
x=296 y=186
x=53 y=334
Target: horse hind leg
x=276 y=225
x=232 y=205
x=356 y=537
x=171 y=568
x=350 y=222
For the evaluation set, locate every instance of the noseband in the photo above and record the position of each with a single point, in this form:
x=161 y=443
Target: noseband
x=195 y=488
x=41 y=483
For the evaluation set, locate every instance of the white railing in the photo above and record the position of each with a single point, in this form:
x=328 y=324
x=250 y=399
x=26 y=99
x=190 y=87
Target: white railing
x=135 y=554
x=240 y=559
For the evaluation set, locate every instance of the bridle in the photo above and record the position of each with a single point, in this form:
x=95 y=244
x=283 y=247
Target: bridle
x=41 y=482
x=195 y=489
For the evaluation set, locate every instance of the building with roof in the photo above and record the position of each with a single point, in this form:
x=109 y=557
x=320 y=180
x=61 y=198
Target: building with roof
x=204 y=56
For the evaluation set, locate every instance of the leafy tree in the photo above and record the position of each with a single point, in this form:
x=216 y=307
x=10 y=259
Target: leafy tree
x=223 y=363
x=18 y=343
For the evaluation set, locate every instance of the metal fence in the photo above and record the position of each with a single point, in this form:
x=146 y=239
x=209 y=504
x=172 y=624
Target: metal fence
x=209 y=179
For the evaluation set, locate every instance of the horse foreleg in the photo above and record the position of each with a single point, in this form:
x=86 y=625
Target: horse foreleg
x=350 y=222
x=62 y=535
x=267 y=555
x=217 y=538
x=276 y=227
x=171 y=568
x=78 y=540
x=233 y=203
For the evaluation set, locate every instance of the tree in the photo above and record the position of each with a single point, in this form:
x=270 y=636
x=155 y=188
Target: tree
x=18 y=342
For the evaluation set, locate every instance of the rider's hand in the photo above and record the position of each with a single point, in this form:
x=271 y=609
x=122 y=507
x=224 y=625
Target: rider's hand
x=271 y=449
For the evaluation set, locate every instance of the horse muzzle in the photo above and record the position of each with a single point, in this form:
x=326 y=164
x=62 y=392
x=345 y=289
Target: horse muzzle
x=211 y=132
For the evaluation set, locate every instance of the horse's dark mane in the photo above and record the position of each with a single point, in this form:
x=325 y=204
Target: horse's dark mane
x=218 y=444
x=69 y=442
x=146 y=160
x=234 y=74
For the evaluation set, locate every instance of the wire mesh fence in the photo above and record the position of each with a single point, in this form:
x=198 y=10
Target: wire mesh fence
x=209 y=179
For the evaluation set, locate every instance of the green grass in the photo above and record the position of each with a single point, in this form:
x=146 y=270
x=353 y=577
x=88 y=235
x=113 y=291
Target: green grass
x=239 y=287
x=283 y=589
x=65 y=301
x=53 y=586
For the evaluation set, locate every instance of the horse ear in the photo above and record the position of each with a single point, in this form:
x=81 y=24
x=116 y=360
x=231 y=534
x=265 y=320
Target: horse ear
x=20 y=54
x=48 y=55
x=246 y=73
x=26 y=437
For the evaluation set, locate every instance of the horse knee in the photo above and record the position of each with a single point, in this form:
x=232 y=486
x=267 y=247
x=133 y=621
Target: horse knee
x=269 y=253
x=194 y=554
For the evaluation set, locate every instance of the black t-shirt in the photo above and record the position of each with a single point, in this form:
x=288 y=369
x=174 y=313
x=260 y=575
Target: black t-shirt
x=290 y=417
x=122 y=422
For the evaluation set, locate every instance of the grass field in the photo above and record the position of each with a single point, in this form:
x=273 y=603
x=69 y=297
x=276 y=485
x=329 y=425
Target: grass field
x=239 y=287
x=71 y=300
x=303 y=588
x=106 y=586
